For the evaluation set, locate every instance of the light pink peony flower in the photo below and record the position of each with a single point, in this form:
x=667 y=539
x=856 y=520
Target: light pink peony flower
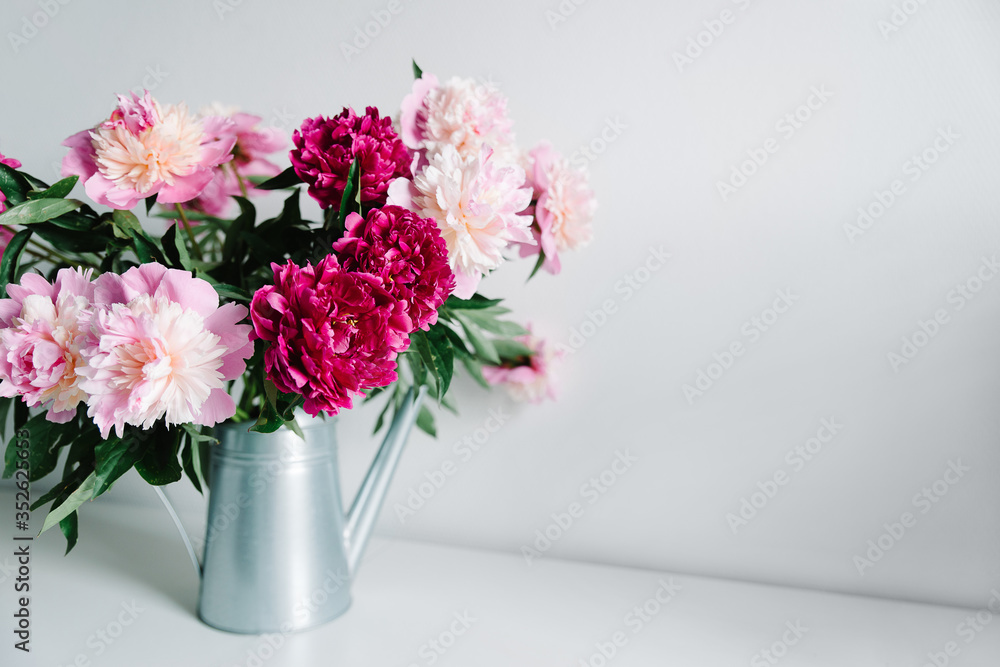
x=564 y=208
x=162 y=347
x=253 y=145
x=529 y=379
x=477 y=203
x=13 y=164
x=45 y=327
x=333 y=333
x=144 y=149
x=406 y=252
x=460 y=113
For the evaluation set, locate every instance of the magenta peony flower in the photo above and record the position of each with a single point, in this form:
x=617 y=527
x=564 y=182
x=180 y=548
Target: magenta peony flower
x=144 y=149
x=13 y=164
x=477 y=203
x=530 y=379
x=253 y=145
x=162 y=347
x=406 y=252
x=44 y=329
x=325 y=148
x=333 y=333
x=459 y=113
x=564 y=208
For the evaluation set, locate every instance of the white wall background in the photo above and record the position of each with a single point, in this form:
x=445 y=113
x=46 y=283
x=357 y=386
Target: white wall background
x=656 y=181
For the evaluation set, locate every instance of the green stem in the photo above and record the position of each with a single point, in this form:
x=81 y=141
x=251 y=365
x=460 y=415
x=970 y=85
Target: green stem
x=239 y=179
x=187 y=228
x=55 y=256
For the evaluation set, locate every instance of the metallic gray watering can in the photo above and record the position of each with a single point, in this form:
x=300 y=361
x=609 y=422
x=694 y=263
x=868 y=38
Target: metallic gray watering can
x=280 y=552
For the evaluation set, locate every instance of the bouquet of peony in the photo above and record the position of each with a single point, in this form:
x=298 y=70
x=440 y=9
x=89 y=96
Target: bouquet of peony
x=125 y=347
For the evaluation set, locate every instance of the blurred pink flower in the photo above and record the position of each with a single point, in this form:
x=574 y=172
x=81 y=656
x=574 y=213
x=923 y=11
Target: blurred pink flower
x=407 y=252
x=460 y=113
x=253 y=145
x=144 y=149
x=45 y=327
x=13 y=164
x=531 y=378
x=5 y=233
x=162 y=347
x=477 y=203
x=564 y=208
x=326 y=148
x=333 y=333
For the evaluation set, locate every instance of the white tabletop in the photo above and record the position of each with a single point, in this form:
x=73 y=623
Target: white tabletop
x=418 y=604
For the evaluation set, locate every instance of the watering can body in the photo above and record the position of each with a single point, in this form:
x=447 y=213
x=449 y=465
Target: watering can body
x=280 y=551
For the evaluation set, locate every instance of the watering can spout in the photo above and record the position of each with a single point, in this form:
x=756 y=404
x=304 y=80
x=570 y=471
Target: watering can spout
x=368 y=501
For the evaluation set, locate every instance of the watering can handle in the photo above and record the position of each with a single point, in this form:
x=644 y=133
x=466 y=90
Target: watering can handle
x=368 y=501
x=180 y=529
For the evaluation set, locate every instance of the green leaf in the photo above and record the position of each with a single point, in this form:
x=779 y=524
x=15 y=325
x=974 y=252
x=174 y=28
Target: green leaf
x=151 y=202
x=286 y=179
x=82 y=494
x=196 y=462
x=456 y=341
x=483 y=346
x=74 y=221
x=270 y=419
x=11 y=258
x=232 y=292
x=13 y=185
x=475 y=370
x=188 y=457
x=5 y=404
x=43 y=439
x=175 y=249
x=417 y=72
x=125 y=225
x=437 y=356
x=115 y=456
x=145 y=249
x=486 y=319
x=70 y=481
x=444 y=357
x=476 y=302
x=512 y=349
x=238 y=234
x=425 y=421
x=350 y=202
x=38 y=210
x=538 y=264
x=449 y=406
x=159 y=466
x=58 y=190
x=70 y=528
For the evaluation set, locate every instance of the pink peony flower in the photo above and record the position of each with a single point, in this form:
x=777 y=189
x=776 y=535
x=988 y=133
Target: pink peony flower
x=5 y=233
x=477 y=203
x=333 y=333
x=460 y=113
x=13 y=164
x=406 y=252
x=44 y=329
x=144 y=149
x=253 y=145
x=326 y=148
x=529 y=379
x=564 y=208
x=162 y=347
